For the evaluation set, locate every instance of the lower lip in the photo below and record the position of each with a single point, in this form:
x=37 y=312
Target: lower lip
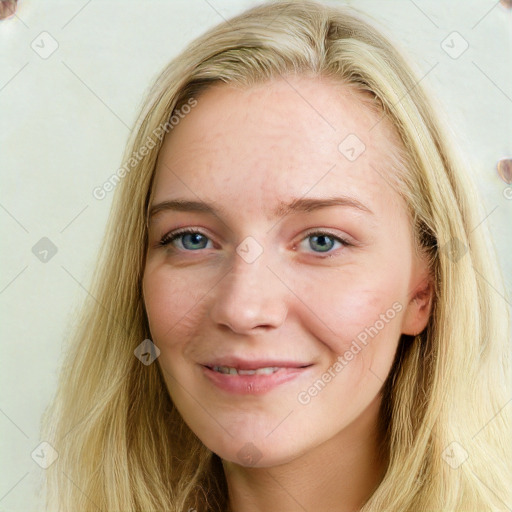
x=253 y=384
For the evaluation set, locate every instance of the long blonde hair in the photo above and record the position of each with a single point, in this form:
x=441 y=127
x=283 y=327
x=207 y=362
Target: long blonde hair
x=122 y=444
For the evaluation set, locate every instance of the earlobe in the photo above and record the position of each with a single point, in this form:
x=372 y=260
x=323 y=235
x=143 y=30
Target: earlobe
x=418 y=310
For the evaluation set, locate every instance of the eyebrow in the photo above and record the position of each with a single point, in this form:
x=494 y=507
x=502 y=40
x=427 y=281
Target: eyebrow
x=297 y=205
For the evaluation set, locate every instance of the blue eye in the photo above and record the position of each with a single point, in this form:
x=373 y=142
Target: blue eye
x=323 y=242
x=190 y=239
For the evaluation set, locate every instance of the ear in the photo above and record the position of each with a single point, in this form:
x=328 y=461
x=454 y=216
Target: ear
x=418 y=310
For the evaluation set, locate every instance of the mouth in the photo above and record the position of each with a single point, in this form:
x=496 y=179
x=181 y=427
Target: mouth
x=265 y=370
x=227 y=370
x=253 y=378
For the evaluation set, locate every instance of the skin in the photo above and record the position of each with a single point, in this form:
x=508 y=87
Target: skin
x=247 y=149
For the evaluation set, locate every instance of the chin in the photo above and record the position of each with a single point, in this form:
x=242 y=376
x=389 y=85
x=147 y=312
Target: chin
x=258 y=452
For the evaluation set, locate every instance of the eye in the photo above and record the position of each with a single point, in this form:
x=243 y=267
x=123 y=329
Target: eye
x=323 y=242
x=191 y=239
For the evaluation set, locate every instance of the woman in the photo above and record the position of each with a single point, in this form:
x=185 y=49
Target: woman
x=292 y=309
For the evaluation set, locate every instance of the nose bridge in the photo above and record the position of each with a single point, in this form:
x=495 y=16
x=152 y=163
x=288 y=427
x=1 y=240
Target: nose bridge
x=249 y=295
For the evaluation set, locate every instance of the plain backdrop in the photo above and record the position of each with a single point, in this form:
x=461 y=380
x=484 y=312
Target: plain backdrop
x=72 y=76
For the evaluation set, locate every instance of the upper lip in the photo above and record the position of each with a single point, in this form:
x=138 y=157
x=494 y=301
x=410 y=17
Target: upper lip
x=254 y=364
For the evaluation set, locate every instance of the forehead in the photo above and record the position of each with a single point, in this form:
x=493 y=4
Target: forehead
x=254 y=147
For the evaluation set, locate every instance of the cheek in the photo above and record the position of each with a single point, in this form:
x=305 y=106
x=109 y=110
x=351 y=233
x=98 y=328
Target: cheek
x=349 y=305
x=174 y=306
x=358 y=319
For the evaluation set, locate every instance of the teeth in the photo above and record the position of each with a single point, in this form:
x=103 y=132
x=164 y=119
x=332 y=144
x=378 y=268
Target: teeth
x=233 y=371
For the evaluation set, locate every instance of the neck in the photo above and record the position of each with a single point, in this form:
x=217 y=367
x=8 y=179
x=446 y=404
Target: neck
x=338 y=475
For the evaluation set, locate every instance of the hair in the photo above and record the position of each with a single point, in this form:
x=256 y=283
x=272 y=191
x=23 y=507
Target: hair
x=121 y=442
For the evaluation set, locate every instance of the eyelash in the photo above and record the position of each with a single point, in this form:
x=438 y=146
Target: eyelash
x=170 y=237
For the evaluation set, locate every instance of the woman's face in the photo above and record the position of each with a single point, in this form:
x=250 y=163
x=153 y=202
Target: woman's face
x=321 y=291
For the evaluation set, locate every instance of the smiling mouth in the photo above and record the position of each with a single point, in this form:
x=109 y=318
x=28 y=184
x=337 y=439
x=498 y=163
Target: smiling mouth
x=228 y=370
x=254 y=381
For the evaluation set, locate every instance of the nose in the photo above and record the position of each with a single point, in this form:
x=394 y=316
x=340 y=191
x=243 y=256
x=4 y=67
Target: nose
x=249 y=297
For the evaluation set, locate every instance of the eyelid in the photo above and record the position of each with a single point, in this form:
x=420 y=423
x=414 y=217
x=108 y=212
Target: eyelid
x=322 y=231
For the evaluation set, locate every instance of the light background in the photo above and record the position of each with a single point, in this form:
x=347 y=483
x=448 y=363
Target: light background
x=64 y=121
